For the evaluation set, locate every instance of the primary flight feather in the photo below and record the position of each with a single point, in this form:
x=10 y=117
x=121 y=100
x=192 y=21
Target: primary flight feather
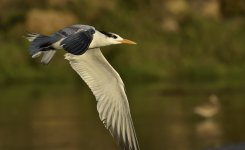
x=83 y=44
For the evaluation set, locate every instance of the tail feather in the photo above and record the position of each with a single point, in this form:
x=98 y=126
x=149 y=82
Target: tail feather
x=47 y=56
x=41 y=44
x=32 y=36
x=37 y=54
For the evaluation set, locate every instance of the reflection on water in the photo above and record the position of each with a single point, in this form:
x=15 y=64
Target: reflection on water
x=64 y=117
x=55 y=125
x=209 y=132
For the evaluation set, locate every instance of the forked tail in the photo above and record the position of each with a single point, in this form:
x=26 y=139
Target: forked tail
x=41 y=44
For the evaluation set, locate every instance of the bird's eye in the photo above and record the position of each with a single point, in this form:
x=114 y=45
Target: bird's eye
x=114 y=36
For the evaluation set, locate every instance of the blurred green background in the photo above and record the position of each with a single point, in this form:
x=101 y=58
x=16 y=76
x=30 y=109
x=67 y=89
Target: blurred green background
x=187 y=50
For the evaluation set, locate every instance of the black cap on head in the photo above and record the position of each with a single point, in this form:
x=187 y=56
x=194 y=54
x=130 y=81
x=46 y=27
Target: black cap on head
x=108 y=34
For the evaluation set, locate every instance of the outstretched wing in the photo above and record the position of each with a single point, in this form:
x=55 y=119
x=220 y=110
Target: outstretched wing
x=108 y=88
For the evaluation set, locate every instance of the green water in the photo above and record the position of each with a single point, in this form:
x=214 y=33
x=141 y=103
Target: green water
x=64 y=117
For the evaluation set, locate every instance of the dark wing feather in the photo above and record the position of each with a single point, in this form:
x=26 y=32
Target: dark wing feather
x=79 y=42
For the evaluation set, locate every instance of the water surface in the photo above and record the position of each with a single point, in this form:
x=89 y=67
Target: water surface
x=64 y=117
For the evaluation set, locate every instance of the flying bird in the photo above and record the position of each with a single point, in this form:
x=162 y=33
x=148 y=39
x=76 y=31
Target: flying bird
x=82 y=44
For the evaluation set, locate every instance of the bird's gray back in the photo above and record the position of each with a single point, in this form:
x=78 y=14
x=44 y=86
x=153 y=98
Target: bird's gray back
x=72 y=30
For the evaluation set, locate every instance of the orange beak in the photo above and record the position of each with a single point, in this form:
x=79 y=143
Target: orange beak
x=125 y=41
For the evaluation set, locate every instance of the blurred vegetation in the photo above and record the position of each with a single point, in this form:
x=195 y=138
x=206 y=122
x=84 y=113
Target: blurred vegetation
x=179 y=41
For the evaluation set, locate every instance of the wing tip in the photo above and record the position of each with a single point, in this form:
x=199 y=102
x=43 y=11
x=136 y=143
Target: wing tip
x=130 y=142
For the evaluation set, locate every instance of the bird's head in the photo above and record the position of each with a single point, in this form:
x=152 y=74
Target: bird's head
x=113 y=38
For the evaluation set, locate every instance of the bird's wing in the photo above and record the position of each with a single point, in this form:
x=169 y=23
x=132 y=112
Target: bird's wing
x=79 y=42
x=108 y=88
x=73 y=29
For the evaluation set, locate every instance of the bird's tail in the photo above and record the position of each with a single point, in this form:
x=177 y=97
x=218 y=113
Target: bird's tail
x=41 y=44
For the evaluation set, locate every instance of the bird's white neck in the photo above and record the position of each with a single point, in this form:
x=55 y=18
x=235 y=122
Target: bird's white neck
x=99 y=40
